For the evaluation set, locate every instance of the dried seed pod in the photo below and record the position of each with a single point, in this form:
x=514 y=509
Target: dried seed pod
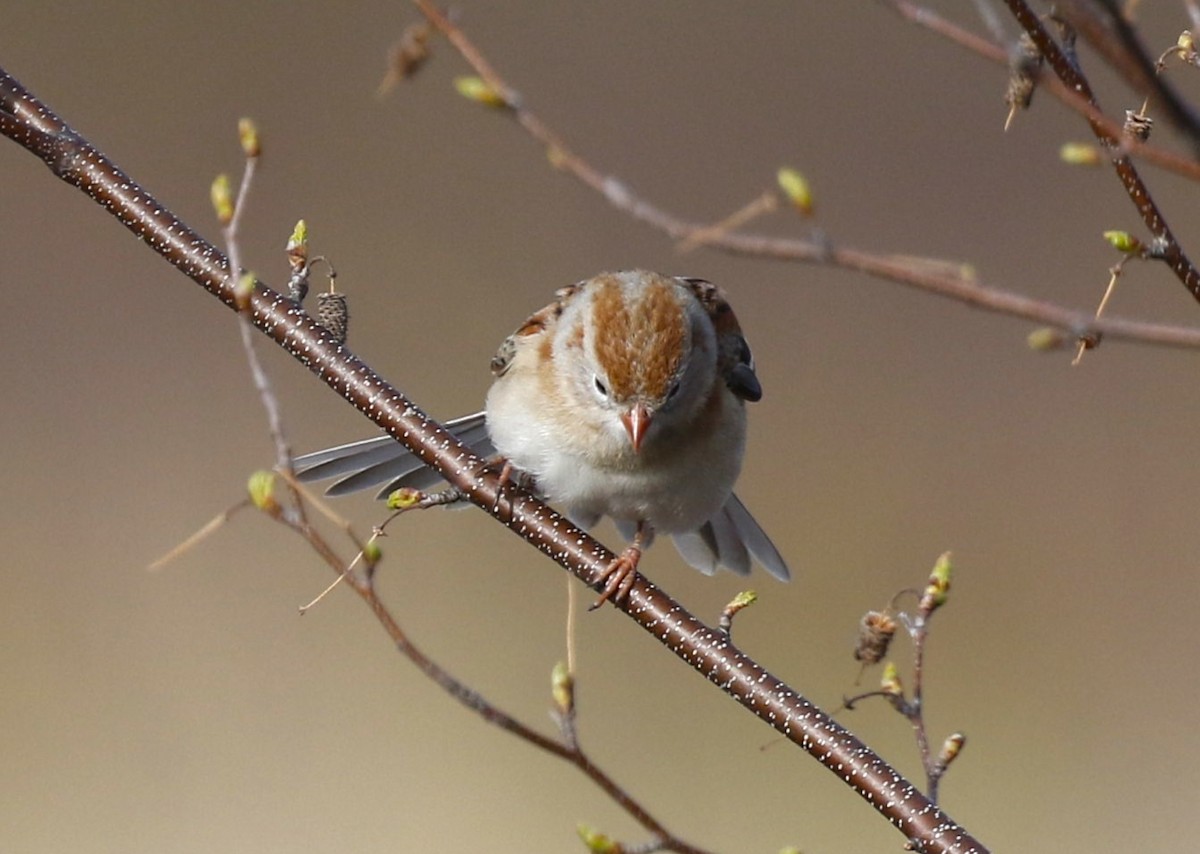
x=334 y=314
x=875 y=632
x=1138 y=125
x=1024 y=64
x=406 y=56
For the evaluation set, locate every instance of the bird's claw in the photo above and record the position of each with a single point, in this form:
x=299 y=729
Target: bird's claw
x=618 y=576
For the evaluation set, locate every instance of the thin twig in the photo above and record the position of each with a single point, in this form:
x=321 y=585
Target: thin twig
x=1106 y=26
x=262 y=383
x=205 y=531
x=929 y=275
x=923 y=16
x=362 y=585
x=1166 y=247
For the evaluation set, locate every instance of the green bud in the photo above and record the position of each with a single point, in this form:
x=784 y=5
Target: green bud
x=476 y=89
x=795 y=186
x=1045 y=339
x=243 y=290
x=890 y=682
x=299 y=236
x=222 y=199
x=1123 y=241
x=404 y=498
x=261 y=487
x=596 y=842
x=938 y=586
x=1080 y=154
x=248 y=137
x=951 y=747
x=562 y=688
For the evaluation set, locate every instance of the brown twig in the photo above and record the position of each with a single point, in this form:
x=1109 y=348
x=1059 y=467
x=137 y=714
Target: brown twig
x=73 y=159
x=928 y=275
x=1166 y=248
x=258 y=374
x=1105 y=26
x=920 y=639
x=363 y=585
x=915 y=13
x=912 y=708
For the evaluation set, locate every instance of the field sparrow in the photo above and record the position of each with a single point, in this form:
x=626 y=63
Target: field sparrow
x=625 y=397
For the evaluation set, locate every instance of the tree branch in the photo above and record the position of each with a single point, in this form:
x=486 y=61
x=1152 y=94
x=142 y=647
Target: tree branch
x=708 y=651
x=928 y=275
x=1166 y=247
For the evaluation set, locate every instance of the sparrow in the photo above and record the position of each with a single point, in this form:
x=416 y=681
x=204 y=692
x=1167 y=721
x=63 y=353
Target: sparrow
x=624 y=397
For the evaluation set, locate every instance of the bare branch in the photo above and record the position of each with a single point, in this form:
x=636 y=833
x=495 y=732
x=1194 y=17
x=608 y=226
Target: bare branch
x=915 y=13
x=929 y=275
x=1167 y=248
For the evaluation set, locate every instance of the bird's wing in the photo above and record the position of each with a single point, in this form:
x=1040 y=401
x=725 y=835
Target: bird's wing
x=383 y=460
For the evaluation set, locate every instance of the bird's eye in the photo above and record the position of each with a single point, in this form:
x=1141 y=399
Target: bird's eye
x=601 y=388
x=673 y=390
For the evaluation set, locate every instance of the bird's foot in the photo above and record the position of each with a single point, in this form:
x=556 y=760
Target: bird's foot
x=618 y=576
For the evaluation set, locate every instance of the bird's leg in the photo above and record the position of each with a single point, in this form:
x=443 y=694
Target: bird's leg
x=618 y=576
x=502 y=480
x=508 y=476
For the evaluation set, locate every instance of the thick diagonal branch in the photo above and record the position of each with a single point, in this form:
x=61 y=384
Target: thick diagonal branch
x=73 y=159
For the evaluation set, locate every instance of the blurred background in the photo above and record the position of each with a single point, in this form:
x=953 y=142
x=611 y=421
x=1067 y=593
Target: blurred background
x=193 y=710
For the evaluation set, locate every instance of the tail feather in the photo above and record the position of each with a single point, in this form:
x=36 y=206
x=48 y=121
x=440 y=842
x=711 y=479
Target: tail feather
x=728 y=540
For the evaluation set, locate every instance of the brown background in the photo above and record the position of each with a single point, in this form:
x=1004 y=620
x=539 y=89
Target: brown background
x=192 y=710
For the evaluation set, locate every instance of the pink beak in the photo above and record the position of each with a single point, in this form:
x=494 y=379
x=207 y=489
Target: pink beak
x=637 y=422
